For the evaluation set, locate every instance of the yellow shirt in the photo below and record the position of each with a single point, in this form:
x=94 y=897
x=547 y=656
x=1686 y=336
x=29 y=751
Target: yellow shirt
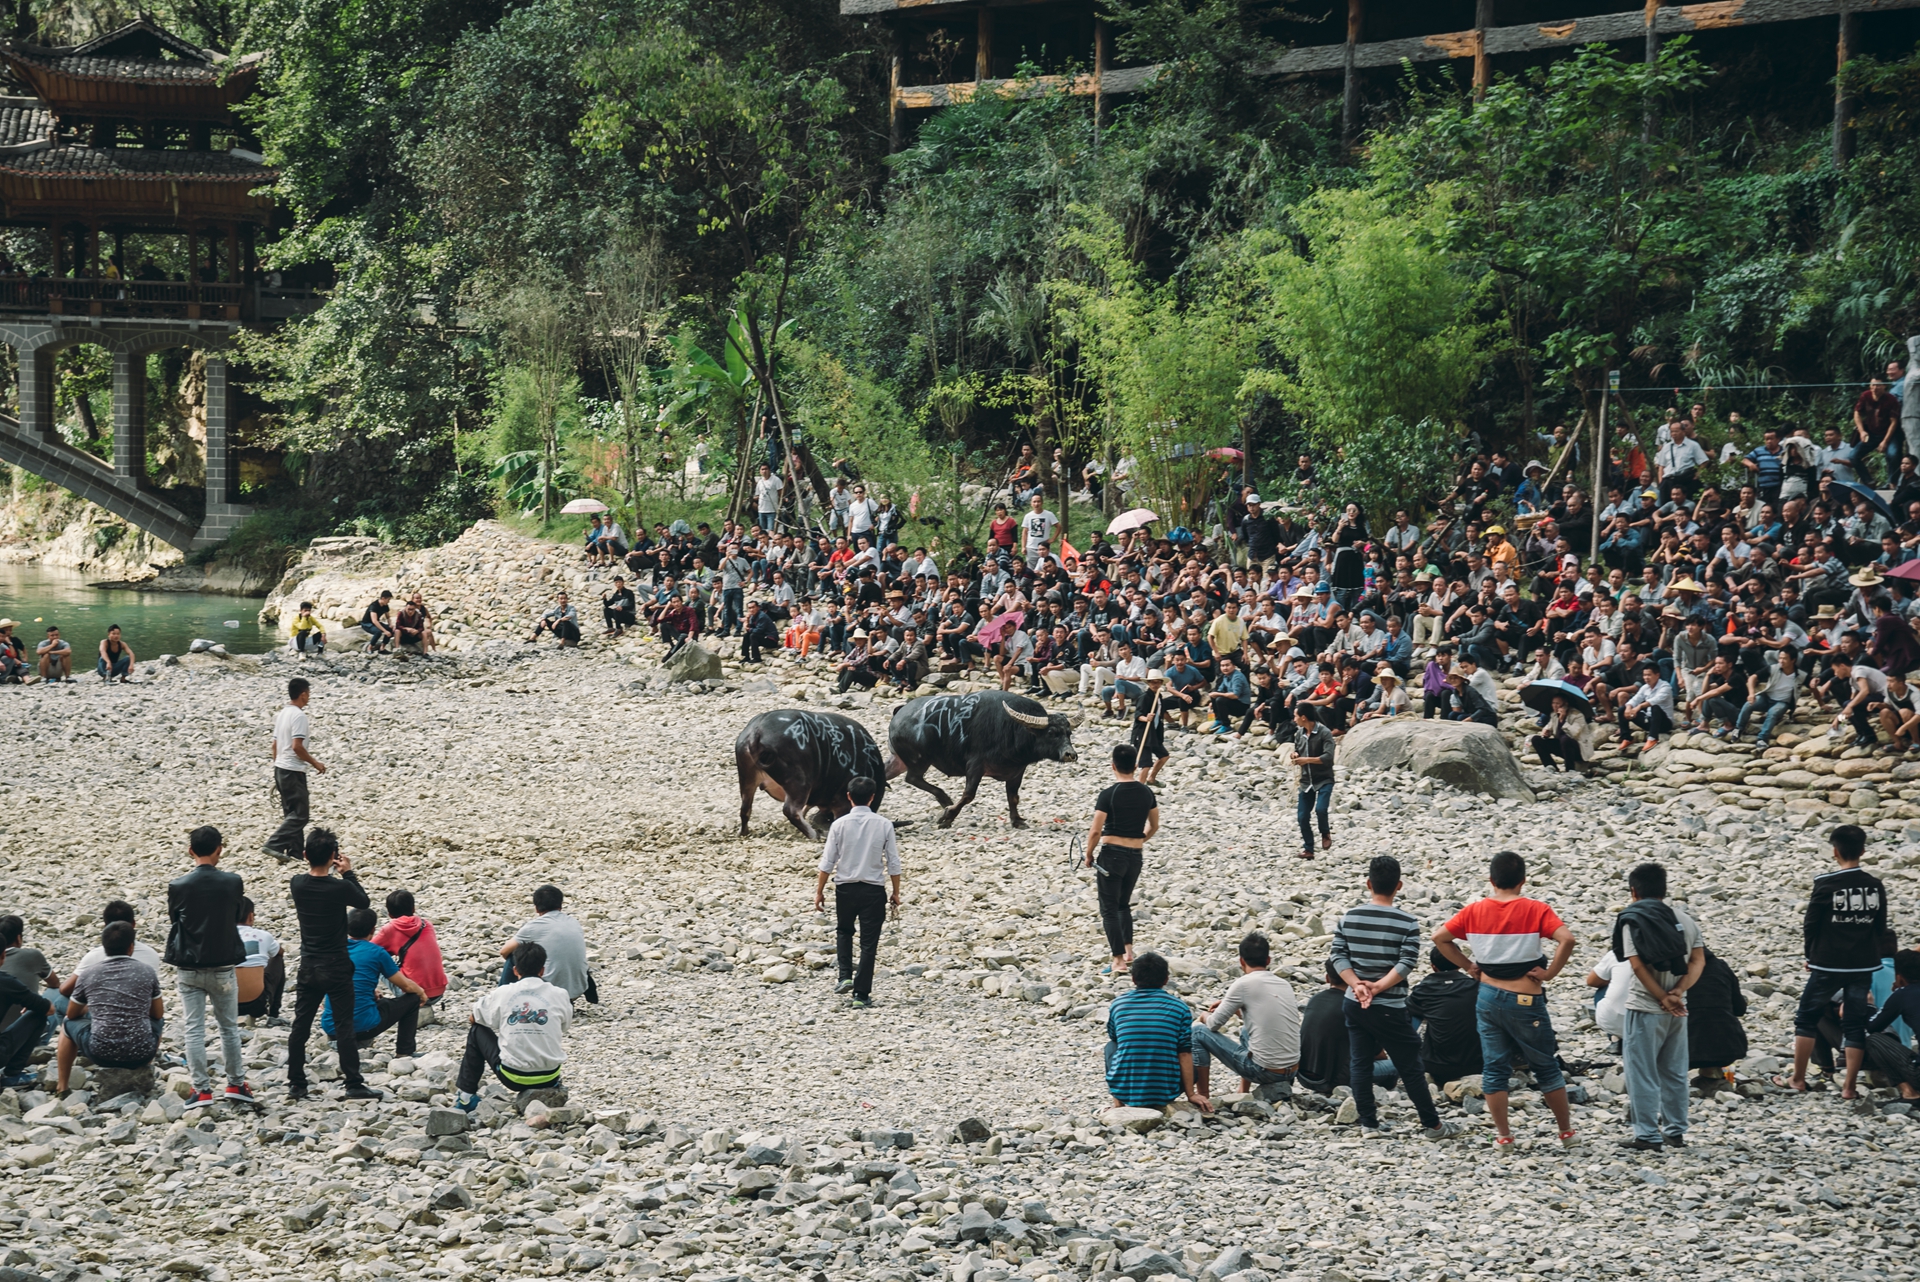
x=1226 y=633
x=303 y=624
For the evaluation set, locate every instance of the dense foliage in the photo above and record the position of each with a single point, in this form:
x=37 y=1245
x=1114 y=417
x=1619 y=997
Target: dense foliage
x=602 y=246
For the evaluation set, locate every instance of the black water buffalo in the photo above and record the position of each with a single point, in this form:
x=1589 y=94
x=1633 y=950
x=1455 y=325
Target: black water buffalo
x=805 y=759
x=992 y=734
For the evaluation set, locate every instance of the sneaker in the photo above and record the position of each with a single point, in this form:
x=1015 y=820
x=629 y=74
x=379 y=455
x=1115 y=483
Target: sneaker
x=362 y=1091
x=1444 y=1131
x=863 y=1003
x=844 y=986
x=1635 y=1144
x=467 y=1103
x=17 y=1081
x=1675 y=1141
x=298 y=1093
x=1569 y=1139
x=239 y=1093
x=201 y=1099
x=1372 y=1130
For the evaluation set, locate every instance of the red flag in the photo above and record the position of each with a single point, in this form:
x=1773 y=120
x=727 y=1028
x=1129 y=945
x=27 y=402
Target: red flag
x=1067 y=550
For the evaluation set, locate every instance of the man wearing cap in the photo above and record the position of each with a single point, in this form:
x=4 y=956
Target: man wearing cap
x=1500 y=550
x=1261 y=533
x=1149 y=731
x=13 y=664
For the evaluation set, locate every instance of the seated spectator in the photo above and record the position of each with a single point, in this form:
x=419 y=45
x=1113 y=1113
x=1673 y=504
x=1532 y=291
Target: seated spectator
x=55 y=657
x=758 y=634
x=372 y=1013
x=1566 y=737
x=305 y=634
x=906 y=667
x=25 y=1013
x=1231 y=696
x=860 y=666
x=562 y=620
x=116 y=657
x=1651 y=707
x=1387 y=699
x=30 y=969
x=516 y=1031
x=414 y=945
x=1715 y=1007
x=1444 y=1004
x=1267 y=1052
x=563 y=946
x=13 y=654
x=413 y=624
x=1324 y=1052
x=376 y=622
x=114 y=1014
x=617 y=607
x=1608 y=979
x=1149 y=1054
x=115 y=910
x=262 y=978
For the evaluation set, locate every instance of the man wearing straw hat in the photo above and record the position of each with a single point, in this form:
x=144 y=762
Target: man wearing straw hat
x=1149 y=733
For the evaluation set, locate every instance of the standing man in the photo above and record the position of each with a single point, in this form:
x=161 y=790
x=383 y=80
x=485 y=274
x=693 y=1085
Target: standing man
x=1038 y=526
x=321 y=901
x=1846 y=916
x=861 y=856
x=766 y=499
x=1313 y=753
x=735 y=572
x=1505 y=930
x=291 y=763
x=1664 y=947
x=1375 y=948
x=1126 y=815
x=203 y=947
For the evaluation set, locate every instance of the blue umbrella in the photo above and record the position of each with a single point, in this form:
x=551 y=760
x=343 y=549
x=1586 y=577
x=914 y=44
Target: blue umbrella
x=1868 y=493
x=1538 y=695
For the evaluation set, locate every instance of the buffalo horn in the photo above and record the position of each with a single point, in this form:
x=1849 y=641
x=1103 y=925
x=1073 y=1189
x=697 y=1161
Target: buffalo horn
x=1028 y=719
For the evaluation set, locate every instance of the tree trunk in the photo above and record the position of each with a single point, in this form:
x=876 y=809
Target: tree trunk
x=83 y=406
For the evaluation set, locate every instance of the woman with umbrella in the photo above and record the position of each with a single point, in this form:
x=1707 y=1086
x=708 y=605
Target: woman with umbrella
x=1568 y=731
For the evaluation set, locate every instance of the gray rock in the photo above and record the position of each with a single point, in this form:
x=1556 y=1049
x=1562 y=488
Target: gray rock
x=888 y=1139
x=305 y=1217
x=110 y=1082
x=1229 y=1261
x=973 y=1225
x=904 y=1181
x=694 y=663
x=1034 y=1211
x=450 y=1197
x=1471 y=757
x=761 y=1155
x=1143 y=1262
x=447 y=1121
x=1007 y=1230
x=750 y=1183
x=551 y=1096
x=971 y=1130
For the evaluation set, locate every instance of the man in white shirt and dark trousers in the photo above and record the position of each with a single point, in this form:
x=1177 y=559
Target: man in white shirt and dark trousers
x=516 y=1030
x=1267 y=1052
x=291 y=762
x=862 y=855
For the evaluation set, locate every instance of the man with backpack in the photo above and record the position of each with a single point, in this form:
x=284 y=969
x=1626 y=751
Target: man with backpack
x=1666 y=952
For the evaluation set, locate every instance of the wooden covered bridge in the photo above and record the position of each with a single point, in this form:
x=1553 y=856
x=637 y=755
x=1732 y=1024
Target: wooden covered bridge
x=118 y=139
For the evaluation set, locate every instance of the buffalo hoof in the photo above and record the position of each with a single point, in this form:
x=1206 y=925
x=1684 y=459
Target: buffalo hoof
x=1021 y=823
x=948 y=816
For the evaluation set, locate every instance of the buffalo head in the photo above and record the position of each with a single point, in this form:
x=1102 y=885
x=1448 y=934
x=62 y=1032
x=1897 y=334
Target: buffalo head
x=1053 y=735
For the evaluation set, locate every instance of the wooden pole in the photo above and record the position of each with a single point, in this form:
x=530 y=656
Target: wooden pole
x=983 y=45
x=1482 y=66
x=1350 y=89
x=1842 y=100
x=1652 y=57
x=896 y=126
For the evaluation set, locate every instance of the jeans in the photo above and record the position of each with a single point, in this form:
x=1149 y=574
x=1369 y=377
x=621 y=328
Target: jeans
x=1236 y=1055
x=1855 y=988
x=1516 y=1023
x=122 y=666
x=1379 y=1027
x=18 y=1040
x=1116 y=870
x=483 y=1051
x=290 y=838
x=732 y=609
x=198 y=988
x=1770 y=714
x=1654 y=1054
x=332 y=982
x=1315 y=800
x=1126 y=689
x=863 y=905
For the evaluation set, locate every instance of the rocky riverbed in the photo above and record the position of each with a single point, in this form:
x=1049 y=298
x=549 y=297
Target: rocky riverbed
x=730 y=1118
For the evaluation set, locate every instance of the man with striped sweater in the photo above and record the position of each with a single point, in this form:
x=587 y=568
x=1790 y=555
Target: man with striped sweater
x=1375 y=948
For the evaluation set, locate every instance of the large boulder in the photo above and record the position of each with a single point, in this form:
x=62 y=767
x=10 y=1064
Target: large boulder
x=694 y=663
x=1463 y=754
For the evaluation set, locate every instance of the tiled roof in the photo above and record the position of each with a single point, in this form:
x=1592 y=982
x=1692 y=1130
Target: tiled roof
x=139 y=70
x=142 y=34
x=76 y=161
x=23 y=121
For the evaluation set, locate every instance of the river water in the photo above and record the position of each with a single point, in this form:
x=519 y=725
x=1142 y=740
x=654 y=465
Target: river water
x=154 y=623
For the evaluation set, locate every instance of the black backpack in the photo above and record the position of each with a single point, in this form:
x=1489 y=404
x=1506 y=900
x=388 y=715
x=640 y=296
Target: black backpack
x=1656 y=934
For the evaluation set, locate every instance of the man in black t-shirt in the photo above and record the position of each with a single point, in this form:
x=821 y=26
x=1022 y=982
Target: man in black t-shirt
x=1125 y=816
x=374 y=621
x=1444 y=1003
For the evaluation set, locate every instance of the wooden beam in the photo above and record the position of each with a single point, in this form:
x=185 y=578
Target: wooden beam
x=983 y=45
x=1102 y=56
x=896 y=127
x=1350 y=82
x=1482 y=65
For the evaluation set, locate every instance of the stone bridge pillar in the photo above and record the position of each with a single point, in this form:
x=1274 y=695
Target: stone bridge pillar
x=130 y=416
x=223 y=514
x=36 y=395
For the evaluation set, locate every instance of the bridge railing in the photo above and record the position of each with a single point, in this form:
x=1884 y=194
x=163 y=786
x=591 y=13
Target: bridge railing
x=101 y=296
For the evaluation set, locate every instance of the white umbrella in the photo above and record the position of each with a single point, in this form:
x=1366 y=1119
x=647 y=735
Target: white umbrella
x=1133 y=520
x=582 y=507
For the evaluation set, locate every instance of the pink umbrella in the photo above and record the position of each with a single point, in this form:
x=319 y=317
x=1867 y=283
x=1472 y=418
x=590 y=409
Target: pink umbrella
x=1134 y=520
x=988 y=633
x=1225 y=451
x=1910 y=570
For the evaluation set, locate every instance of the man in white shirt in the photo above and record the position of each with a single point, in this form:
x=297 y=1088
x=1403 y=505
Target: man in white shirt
x=1266 y=1055
x=766 y=499
x=516 y=1030
x=1680 y=457
x=262 y=977
x=862 y=855
x=1038 y=526
x=860 y=514
x=291 y=763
